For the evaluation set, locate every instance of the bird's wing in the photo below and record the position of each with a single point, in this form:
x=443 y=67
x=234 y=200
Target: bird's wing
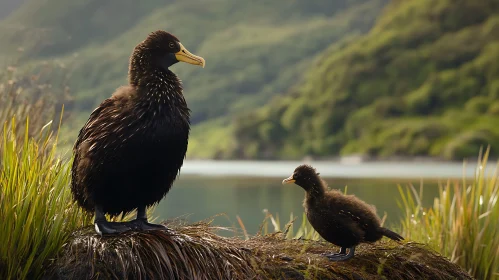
x=87 y=134
x=105 y=126
x=100 y=123
x=81 y=159
x=88 y=129
x=352 y=222
x=101 y=130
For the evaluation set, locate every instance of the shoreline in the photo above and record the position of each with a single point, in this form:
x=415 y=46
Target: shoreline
x=332 y=169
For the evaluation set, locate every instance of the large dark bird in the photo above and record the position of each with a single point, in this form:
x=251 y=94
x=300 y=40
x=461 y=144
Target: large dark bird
x=133 y=145
x=343 y=220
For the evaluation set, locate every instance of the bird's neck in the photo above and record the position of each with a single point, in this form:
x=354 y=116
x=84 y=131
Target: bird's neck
x=316 y=188
x=152 y=79
x=157 y=87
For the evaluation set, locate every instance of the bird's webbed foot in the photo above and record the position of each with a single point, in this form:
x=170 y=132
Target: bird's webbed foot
x=342 y=252
x=341 y=256
x=142 y=224
x=103 y=227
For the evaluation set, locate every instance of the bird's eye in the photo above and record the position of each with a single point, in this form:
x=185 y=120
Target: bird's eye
x=171 y=45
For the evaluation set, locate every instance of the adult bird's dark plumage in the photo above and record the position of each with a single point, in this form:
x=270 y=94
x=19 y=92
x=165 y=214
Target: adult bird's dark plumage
x=343 y=220
x=133 y=145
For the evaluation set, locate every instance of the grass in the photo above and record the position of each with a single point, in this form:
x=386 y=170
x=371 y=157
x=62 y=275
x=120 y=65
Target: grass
x=463 y=222
x=36 y=207
x=304 y=230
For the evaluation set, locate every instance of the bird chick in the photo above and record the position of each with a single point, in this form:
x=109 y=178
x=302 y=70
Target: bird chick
x=343 y=220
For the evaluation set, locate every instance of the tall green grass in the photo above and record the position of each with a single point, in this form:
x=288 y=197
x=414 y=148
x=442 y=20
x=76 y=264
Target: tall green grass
x=37 y=213
x=303 y=230
x=463 y=223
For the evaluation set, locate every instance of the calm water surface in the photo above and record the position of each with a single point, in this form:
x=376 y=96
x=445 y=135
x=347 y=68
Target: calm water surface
x=246 y=188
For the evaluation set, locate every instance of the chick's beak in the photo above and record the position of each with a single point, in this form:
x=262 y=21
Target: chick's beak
x=185 y=56
x=288 y=180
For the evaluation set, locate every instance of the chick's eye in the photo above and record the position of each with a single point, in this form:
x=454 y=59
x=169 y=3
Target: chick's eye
x=171 y=45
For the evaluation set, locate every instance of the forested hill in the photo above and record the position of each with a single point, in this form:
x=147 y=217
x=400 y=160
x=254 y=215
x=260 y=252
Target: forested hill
x=254 y=50
x=424 y=81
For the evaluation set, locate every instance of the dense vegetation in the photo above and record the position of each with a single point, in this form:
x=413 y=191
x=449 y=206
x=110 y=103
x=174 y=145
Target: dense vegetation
x=253 y=50
x=289 y=79
x=423 y=81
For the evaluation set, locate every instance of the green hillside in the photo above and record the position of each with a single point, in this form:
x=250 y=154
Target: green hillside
x=423 y=81
x=254 y=50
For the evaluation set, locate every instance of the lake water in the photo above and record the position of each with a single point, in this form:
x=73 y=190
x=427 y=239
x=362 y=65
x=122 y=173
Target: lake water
x=246 y=188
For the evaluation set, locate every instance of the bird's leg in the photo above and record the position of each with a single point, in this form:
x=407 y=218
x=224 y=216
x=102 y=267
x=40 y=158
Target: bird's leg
x=103 y=227
x=339 y=257
x=343 y=251
x=141 y=222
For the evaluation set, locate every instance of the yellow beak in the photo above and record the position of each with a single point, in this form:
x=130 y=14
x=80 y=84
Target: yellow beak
x=185 y=56
x=288 y=180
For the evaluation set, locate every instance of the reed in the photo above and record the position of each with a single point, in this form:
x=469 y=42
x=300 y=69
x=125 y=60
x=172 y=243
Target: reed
x=462 y=224
x=36 y=208
x=303 y=231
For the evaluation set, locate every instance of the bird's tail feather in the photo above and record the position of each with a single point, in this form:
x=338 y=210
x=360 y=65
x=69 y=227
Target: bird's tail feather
x=390 y=234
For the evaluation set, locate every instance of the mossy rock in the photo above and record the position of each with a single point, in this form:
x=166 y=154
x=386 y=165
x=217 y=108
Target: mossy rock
x=196 y=252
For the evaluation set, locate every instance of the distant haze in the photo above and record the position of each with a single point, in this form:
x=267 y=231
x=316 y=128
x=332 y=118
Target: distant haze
x=8 y=6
